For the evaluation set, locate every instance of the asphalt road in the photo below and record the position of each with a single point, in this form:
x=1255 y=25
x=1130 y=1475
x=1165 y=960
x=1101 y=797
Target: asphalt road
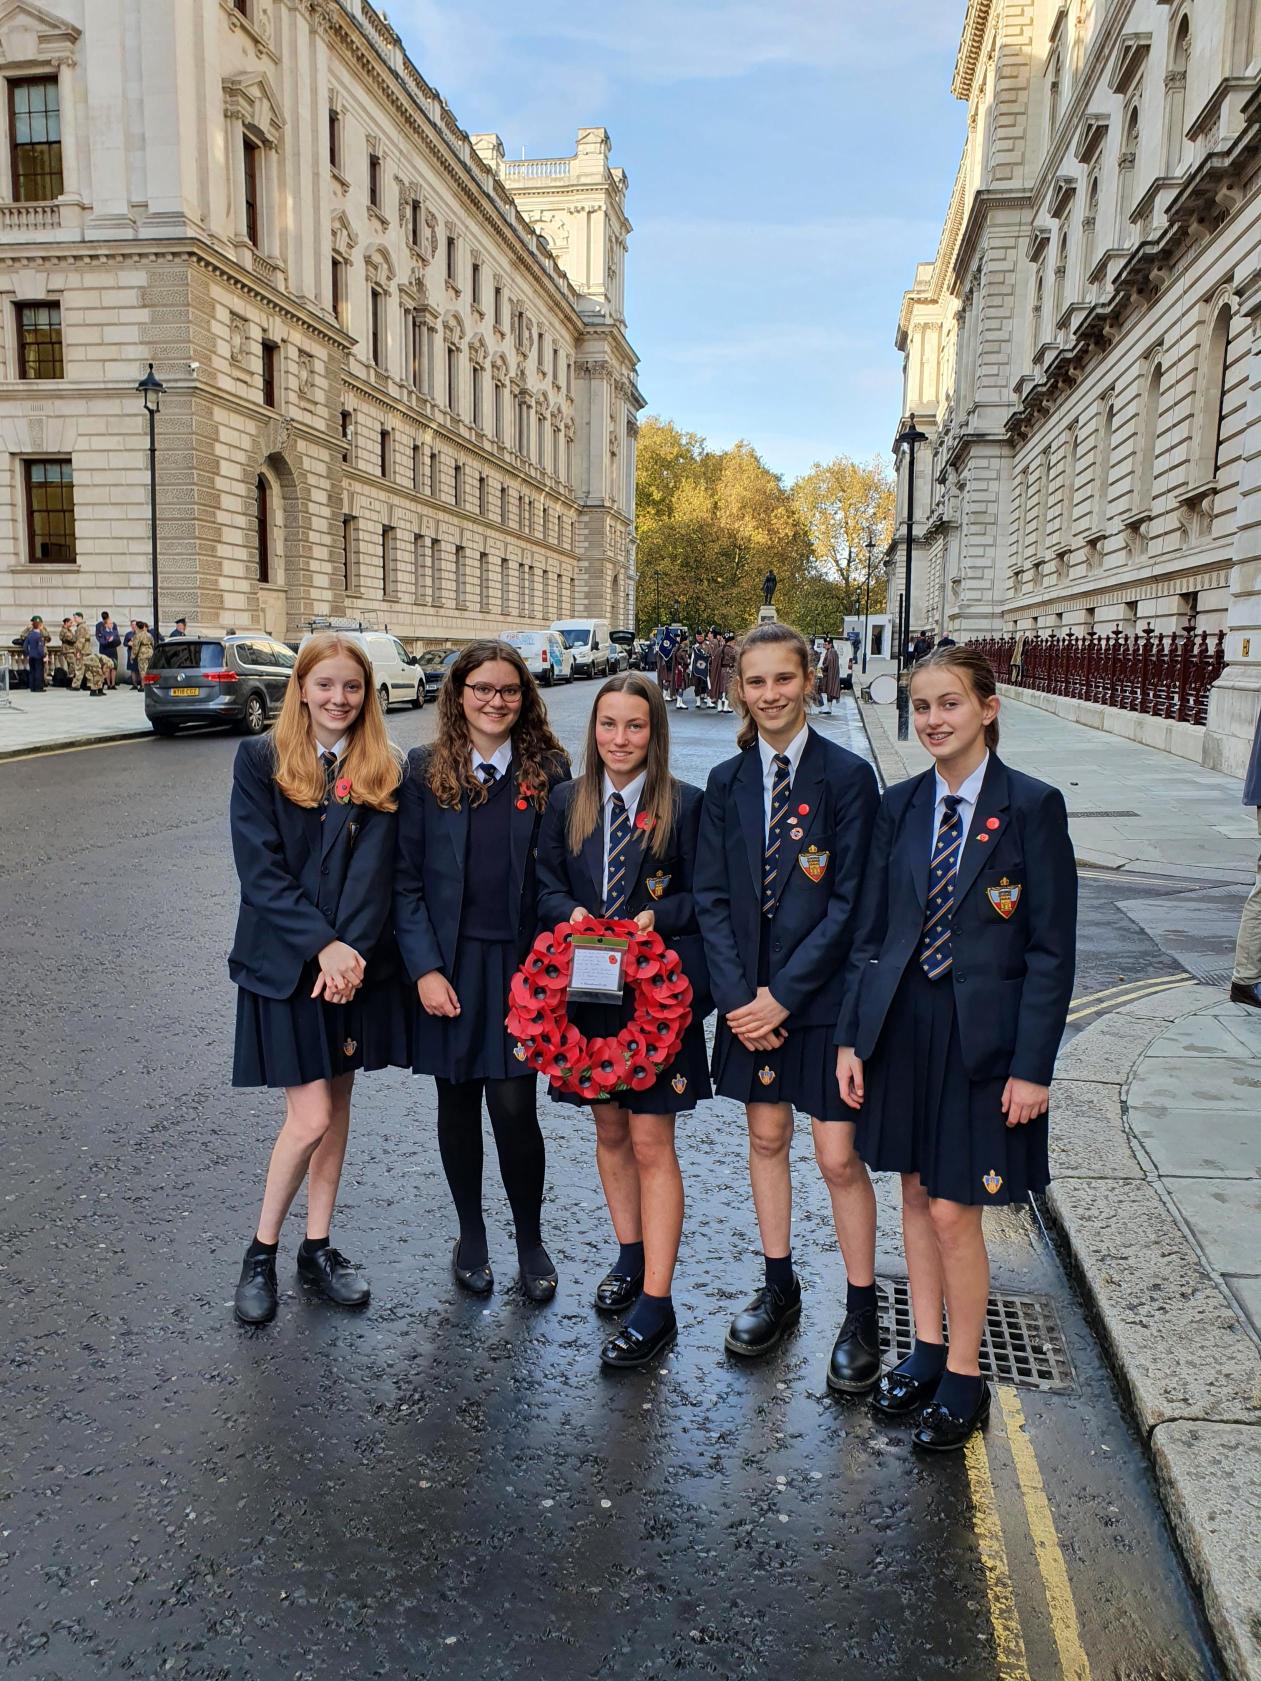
x=435 y=1487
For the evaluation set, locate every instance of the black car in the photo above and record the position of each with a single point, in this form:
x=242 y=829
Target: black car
x=235 y=680
x=435 y=664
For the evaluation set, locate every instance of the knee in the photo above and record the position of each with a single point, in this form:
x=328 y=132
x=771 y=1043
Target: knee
x=840 y=1164
x=654 y=1152
x=914 y=1196
x=770 y=1142
x=611 y=1133
x=308 y=1127
x=953 y=1223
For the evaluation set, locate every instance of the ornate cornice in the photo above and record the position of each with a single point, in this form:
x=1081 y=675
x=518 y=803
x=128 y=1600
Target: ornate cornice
x=974 y=26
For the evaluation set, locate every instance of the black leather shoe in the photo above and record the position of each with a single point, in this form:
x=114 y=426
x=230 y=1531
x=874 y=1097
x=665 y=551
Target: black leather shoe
x=629 y=1348
x=759 y=1326
x=896 y=1394
x=615 y=1292
x=1241 y=992
x=479 y=1281
x=256 y=1294
x=855 y=1363
x=941 y=1431
x=539 y=1286
x=329 y=1272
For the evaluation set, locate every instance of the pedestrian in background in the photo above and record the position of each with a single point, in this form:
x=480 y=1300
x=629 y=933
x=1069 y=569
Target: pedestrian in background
x=466 y=911
x=80 y=649
x=783 y=841
x=922 y=645
x=699 y=671
x=829 y=676
x=956 y=998
x=180 y=628
x=680 y=662
x=108 y=642
x=726 y=670
x=94 y=672
x=33 y=646
x=620 y=841
x=128 y=639
x=1245 y=985
x=141 y=650
x=312 y=821
x=65 y=639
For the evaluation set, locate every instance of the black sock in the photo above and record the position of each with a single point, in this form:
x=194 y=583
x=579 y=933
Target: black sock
x=779 y=1270
x=460 y=1146
x=513 y=1106
x=258 y=1247
x=630 y=1260
x=311 y=1244
x=649 y=1314
x=861 y=1298
x=926 y=1361
x=958 y=1393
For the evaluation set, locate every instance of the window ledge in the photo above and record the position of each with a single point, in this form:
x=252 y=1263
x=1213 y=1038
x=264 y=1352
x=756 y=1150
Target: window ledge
x=377 y=215
x=60 y=567
x=1136 y=519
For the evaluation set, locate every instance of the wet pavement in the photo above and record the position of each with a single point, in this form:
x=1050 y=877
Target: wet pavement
x=439 y=1487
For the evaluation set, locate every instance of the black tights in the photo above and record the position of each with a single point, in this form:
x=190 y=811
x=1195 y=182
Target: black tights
x=514 y=1119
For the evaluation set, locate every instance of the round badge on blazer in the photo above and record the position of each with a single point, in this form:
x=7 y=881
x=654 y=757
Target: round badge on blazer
x=991 y=823
x=803 y=811
x=982 y=836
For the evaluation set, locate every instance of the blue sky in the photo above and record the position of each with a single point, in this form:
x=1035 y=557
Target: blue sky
x=789 y=164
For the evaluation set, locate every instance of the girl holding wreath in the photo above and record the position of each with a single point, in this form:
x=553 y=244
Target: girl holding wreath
x=312 y=821
x=465 y=913
x=620 y=841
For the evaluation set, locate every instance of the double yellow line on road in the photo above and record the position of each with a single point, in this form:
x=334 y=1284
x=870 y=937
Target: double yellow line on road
x=1009 y=1641
x=1125 y=992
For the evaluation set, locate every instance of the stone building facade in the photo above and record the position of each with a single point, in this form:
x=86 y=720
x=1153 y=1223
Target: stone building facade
x=398 y=382
x=1084 y=350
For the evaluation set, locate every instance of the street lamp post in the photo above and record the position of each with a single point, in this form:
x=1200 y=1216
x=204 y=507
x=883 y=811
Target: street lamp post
x=871 y=560
x=151 y=389
x=911 y=436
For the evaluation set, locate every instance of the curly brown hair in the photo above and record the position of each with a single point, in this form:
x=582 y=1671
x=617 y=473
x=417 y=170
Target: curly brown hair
x=534 y=748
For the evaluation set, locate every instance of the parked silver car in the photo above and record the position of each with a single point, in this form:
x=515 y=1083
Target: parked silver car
x=239 y=681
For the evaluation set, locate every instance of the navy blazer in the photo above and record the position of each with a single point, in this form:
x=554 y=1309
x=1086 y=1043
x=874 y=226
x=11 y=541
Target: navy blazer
x=429 y=873
x=308 y=876
x=811 y=930
x=567 y=879
x=1012 y=974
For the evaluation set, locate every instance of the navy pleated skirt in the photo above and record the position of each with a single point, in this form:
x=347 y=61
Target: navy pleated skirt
x=475 y=1045
x=801 y=1072
x=292 y=1041
x=923 y=1113
x=683 y=1085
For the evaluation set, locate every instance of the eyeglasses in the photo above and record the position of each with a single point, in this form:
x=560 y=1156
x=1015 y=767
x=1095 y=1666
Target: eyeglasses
x=484 y=693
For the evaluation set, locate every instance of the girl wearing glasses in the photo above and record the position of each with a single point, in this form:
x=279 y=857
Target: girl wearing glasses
x=465 y=913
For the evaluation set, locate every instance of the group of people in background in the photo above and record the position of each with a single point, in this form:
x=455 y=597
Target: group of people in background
x=88 y=656
x=704 y=664
x=897 y=969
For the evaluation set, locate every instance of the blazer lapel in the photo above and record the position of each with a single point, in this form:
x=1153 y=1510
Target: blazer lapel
x=456 y=824
x=917 y=834
x=747 y=791
x=592 y=856
x=520 y=828
x=807 y=790
x=335 y=817
x=991 y=808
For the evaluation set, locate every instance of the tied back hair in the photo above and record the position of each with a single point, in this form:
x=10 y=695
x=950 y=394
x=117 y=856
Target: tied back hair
x=976 y=671
x=371 y=761
x=535 y=749
x=657 y=800
x=765 y=636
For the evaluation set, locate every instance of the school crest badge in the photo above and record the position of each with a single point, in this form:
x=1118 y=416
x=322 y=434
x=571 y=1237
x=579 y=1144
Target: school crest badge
x=1005 y=897
x=766 y=1075
x=349 y=1047
x=657 y=883
x=813 y=863
x=993 y=1182
x=679 y=1083
x=519 y=1052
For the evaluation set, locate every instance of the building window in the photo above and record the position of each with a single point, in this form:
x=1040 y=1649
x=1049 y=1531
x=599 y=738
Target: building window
x=1176 y=97
x=389 y=587
x=499 y=306
x=376 y=319
x=477 y=398
x=415 y=466
x=520 y=587
x=451 y=258
x=1068 y=488
x=335 y=139
x=555 y=452
x=270 y=352
x=499 y=412
x=348 y=553
x=505 y=587
x=339 y=290
x=252 y=225
x=1213 y=404
x=417 y=224
x=540 y=433
x=482 y=496
x=385 y=454
x=460 y=581
x=418 y=568
x=374 y=180
x=503 y=504
x=1103 y=467
x=35 y=139
x=475 y=281
x=435 y=572
x=541 y=351
x=569 y=461
x=346 y=434
x=433 y=474
x=529 y=516
x=431 y=351
x=555 y=366
x=453 y=379
x=39 y=341
x=483 y=583
x=262 y=520
x=1145 y=481
x=418 y=351
x=520 y=512
x=569 y=377
x=457 y=494
x=50 y=512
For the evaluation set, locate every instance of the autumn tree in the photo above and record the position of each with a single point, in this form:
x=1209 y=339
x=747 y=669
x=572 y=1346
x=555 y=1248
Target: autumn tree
x=847 y=507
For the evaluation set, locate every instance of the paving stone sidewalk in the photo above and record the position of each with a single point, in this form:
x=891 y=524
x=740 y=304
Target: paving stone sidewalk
x=68 y=718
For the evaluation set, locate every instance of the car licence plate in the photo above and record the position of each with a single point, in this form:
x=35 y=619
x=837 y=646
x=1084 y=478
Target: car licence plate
x=184 y=691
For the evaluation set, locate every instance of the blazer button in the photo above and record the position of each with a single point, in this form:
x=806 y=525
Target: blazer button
x=960 y=978
x=777 y=945
x=323 y=869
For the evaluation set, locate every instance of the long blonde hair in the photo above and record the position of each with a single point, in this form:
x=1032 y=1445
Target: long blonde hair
x=765 y=636
x=535 y=749
x=371 y=761
x=657 y=800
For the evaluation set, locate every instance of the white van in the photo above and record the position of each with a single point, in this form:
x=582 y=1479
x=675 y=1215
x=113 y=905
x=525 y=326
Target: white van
x=396 y=673
x=589 y=639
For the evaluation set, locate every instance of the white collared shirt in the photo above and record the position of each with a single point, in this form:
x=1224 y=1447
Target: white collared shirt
x=967 y=795
x=632 y=794
x=795 y=748
x=338 y=747
x=501 y=758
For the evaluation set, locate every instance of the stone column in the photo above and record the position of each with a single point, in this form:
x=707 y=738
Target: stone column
x=1236 y=696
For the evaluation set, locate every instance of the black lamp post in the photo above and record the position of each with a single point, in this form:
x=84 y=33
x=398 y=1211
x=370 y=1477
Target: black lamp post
x=151 y=389
x=911 y=436
x=871 y=561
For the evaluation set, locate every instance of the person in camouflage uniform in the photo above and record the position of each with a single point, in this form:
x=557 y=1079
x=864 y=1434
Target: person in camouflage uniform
x=94 y=671
x=83 y=648
x=142 y=648
x=66 y=638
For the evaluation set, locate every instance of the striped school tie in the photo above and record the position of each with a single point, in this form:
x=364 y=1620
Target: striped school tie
x=781 y=787
x=934 y=950
x=488 y=774
x=329 y=761
x=619 y=840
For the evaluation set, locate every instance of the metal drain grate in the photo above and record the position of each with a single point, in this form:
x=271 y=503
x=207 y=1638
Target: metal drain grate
x=1103 y=814
x=1023 y=1343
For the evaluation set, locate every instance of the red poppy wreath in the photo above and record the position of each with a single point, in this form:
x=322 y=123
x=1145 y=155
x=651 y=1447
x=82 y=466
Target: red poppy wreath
x=595 y=1068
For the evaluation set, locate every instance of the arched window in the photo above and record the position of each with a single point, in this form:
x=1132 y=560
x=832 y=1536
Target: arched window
x=1061 y=275
x=1056 y=74
x=1089 y=223
x=1103 y=466
x=1035 y=318
x=262 y=515
x=1044 y=499
x=1211 y=396
x=1144 y=480
x=1176 y=96
x=1127 y=163
x=1068 y=487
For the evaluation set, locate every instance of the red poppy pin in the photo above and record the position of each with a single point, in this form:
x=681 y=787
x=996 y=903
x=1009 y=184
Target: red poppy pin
x=341 y=790
x=803 y=810
x=983 y=836
x=645 y=820
x=991 y=823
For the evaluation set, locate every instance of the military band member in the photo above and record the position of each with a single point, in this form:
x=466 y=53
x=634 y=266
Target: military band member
x=829 y=676
x=957 y=992
x=620 y=841
x=783 y=840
